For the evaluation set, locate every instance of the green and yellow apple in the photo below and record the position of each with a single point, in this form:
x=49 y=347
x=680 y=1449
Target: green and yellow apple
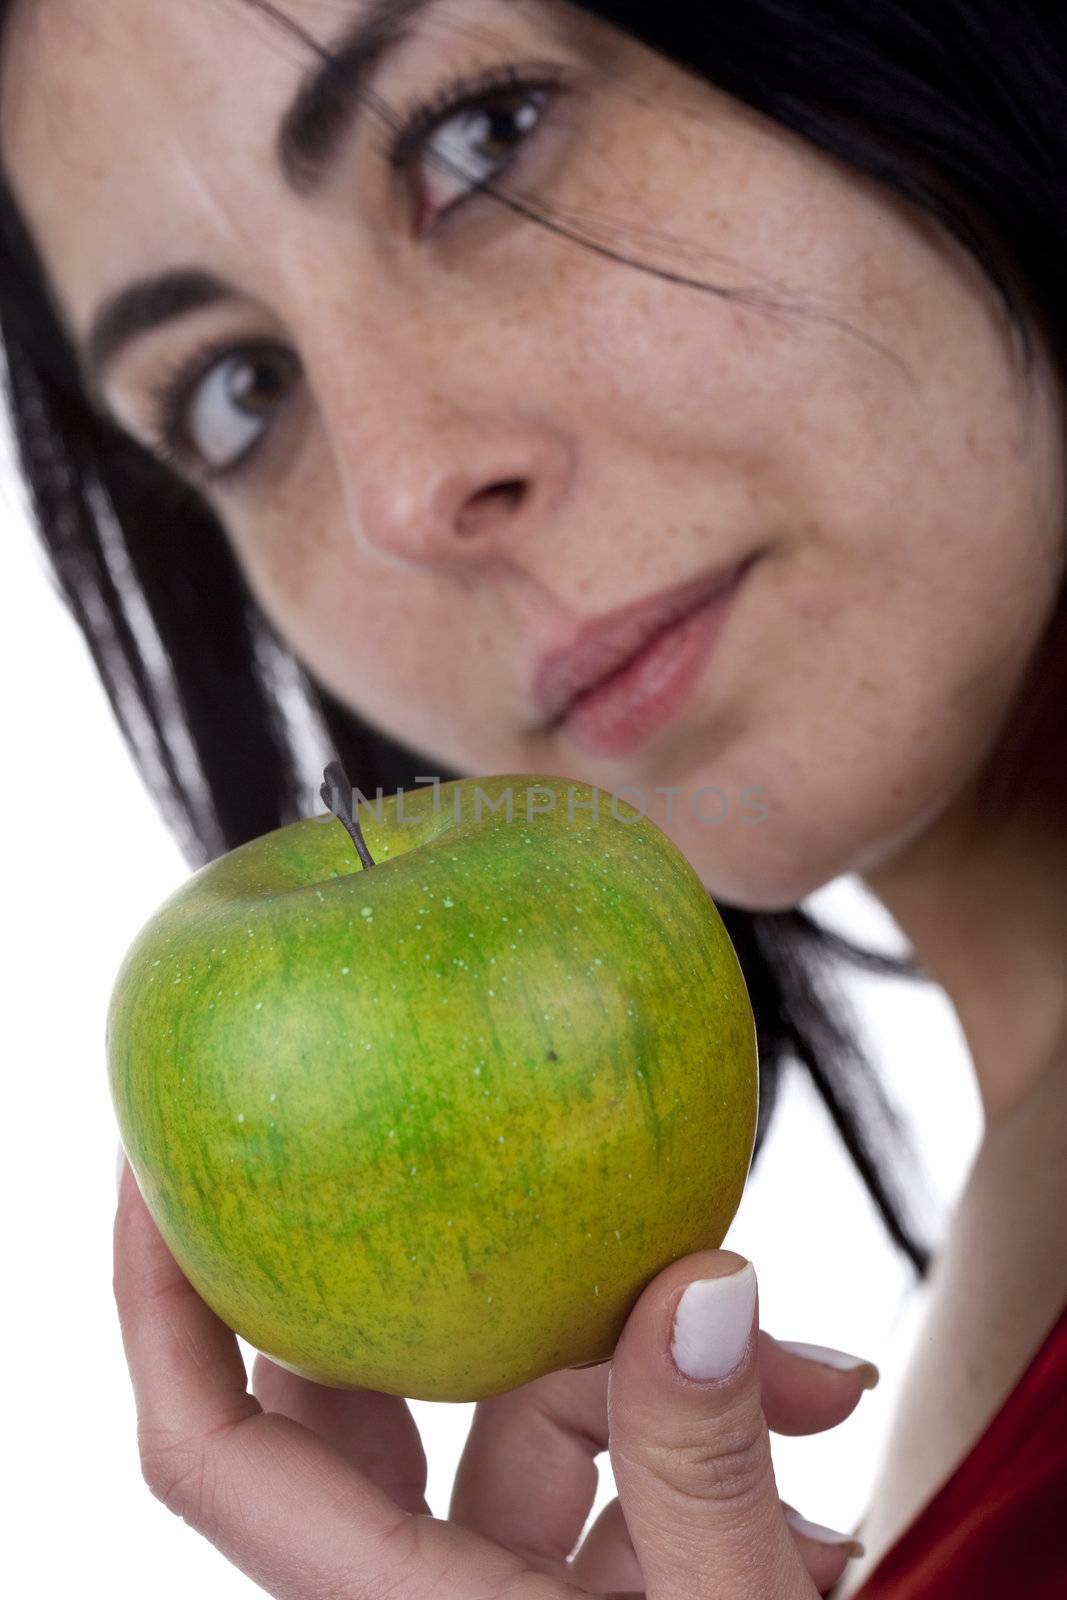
x=421 y=1102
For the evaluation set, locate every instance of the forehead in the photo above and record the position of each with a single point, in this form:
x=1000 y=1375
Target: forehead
x=108 y=110
x=136 y=137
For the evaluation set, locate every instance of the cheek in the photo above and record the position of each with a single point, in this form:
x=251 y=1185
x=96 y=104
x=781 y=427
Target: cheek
x=861 y=709
x=353 y=630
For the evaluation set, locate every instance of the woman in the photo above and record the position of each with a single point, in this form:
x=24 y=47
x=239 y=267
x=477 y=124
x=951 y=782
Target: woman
x=771 y=294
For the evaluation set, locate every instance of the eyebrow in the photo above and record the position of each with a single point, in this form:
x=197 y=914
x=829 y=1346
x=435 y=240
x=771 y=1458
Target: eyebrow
x=328 y=102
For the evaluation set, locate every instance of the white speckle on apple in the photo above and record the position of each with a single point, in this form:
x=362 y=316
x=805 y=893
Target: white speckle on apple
x=418 y=925
x=211 y=1005
x=448 y=901
x=344 y=972
x=251 y=933
x=366 y=911
x=597 y=961
x=413 y=1171
x=156 y=963
x=618 y=1236
x=259 y=1005
x=489 y=1299
x=448 y=1224
x=500 y=1139
x=596 y=1288
x=414 y=1258
x=490 y=991
x=392 y=1133
x=178 y=979
x=274 y=1097
x=240 y=1116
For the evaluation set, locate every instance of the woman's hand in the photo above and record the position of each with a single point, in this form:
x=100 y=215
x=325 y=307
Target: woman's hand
x=314 y=1491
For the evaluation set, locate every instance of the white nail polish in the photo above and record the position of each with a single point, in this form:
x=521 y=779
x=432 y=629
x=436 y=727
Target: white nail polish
x=712 y=1324
x=816 y=1531
x=839 y=1359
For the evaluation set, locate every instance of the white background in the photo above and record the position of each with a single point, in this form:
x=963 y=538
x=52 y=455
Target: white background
x=87 y=862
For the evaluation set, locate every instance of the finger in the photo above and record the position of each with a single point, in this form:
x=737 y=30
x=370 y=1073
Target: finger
x=825 y=1552
x=607 y=1562
x=277 y=1500
x=807 y=1388
x=691 y=1453
x=527 y=1476
x=373 y=1432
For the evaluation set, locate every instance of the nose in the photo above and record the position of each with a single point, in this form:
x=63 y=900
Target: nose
x=457 y=492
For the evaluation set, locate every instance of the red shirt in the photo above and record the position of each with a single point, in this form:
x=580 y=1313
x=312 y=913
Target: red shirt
x=997 y=1527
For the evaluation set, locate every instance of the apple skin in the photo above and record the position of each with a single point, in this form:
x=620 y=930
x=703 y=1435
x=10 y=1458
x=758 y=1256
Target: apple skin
x=430 y=1127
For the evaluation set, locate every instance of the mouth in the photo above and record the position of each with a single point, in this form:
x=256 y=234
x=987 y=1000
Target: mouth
x=626 y=671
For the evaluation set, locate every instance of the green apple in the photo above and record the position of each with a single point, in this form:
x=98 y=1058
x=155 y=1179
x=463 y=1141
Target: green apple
x=422 y=1104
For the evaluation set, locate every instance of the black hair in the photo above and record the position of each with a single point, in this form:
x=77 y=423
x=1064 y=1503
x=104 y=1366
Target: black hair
x=959 y=108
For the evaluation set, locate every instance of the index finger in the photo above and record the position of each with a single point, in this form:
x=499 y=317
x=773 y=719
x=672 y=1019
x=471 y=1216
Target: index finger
x=274 y=1498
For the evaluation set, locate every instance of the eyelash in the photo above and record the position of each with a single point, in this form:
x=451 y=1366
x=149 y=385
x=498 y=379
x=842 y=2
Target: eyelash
x=169 y=398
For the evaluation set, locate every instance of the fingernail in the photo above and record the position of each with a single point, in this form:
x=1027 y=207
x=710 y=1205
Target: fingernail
x=821 y=1534
x=712 y=1324
x=839 y=1359
x=120 y=1162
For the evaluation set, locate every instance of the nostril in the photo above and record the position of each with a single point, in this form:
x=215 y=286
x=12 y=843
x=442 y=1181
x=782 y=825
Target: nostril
x=486 y=503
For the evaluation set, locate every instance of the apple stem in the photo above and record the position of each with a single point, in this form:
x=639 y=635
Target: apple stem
x=336 y=791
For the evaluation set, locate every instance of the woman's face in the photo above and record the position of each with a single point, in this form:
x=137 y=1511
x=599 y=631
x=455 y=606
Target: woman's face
x=873 y=437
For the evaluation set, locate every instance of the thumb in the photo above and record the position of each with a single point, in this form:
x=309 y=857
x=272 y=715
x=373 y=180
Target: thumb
x=689 y=1444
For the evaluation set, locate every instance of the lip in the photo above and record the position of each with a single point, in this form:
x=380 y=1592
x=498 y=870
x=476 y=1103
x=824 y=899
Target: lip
x=606 y=645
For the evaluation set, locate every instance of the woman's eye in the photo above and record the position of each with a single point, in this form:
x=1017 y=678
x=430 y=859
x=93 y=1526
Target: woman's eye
x=214 y=411
x=471 y=135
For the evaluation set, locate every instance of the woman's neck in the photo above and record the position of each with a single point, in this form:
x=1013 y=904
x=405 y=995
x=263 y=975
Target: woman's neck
x=982 y=898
